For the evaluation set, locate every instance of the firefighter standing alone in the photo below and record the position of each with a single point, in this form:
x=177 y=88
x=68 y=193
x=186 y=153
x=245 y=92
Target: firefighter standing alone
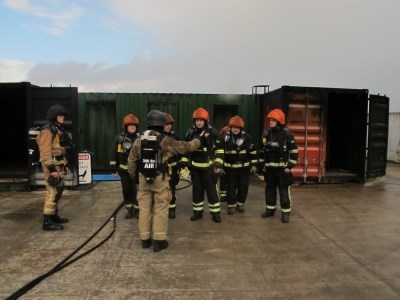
x=278 y=155
x=53 y=141
x=150 y=154
x=240 y=158
x=119 y=162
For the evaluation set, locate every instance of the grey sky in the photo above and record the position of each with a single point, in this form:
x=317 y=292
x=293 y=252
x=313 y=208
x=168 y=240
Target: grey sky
x=215 y=46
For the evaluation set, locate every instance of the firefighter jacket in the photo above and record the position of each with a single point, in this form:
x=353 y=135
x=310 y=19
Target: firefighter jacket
x=237 y=151
x=204 y=156
x=120 y=150
x=49 y=141
x=173 y=161
x=168 y=148
x=278 y=149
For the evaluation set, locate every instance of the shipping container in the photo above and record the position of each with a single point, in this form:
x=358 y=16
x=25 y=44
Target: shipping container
x=101 y=115
x=393 y=153
x=24 y=107
x=341 y=133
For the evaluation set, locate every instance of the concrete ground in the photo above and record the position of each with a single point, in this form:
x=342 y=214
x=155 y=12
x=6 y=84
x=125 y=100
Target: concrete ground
x=342 y=242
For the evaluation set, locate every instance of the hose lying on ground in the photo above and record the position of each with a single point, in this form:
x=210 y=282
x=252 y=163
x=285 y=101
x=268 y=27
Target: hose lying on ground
x=66 y=261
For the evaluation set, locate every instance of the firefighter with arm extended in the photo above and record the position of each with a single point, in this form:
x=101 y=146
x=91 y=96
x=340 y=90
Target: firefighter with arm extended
x=278 y=155
x=120 y=150
x=53 y=142
x=240 y=158
x=149 y=155
x=203 y=166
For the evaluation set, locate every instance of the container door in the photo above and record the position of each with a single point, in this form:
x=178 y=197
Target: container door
x=377 y=136
x=100 y=132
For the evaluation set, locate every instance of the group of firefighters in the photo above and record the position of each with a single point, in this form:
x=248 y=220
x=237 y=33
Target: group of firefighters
x=150 y=165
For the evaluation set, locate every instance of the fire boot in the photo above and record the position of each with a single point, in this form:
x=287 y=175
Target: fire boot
x=171 y=213
x=136 y=213
x=59 y=220
x=268 y=213
x=50 y=225
x=196 y=216
x=240 y=208
x=160 y=245
x=146 y=243
x=129 y=212
x=231 y=210
x=216 y=217
x=285 y=217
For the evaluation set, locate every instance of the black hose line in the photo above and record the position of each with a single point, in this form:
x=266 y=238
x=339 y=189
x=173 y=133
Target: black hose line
x=67 y=261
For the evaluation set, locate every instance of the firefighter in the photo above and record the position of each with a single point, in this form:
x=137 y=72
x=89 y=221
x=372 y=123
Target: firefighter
x=278 y=155
x=149 y=156
x=203 y=166
x=173 y=165
x=119 y=162
x=53 y=142
x=240 y=159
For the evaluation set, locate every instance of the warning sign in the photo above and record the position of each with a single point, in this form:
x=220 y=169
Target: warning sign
x=85 y=168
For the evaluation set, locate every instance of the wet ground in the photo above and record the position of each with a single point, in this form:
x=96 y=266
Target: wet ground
x=342 y=242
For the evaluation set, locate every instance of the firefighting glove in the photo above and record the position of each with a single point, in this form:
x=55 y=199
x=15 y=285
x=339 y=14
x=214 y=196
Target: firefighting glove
x=184 y=173
x=253 y=170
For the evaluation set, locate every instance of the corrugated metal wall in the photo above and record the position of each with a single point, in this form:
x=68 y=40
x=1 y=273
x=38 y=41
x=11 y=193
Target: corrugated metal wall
x=393 y=153
x=101 y=115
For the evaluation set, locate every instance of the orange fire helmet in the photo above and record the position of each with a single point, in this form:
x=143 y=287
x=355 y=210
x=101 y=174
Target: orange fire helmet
x=130 y=120
x=236 y=121
x=278 y=115
x=201 y=113
x=169 y=118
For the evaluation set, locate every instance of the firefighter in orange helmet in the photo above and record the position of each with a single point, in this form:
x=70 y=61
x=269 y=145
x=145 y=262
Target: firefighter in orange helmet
x=203 y=166
x=119 y=162
x=240 y=158
x=279 y=154
x=172 y=164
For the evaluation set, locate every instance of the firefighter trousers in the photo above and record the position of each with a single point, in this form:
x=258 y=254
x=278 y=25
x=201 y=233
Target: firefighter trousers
x=237 y=186
x=153 y=204
x=173 y=182
x=205 y=181
x=53 y=193
x=129 y=190
x=274 y=180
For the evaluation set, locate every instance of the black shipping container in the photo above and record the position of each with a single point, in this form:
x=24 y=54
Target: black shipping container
x=24 y=108
x=341 y=133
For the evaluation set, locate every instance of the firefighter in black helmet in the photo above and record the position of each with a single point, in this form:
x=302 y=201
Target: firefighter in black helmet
x=53 y=141
x=149 y=155
x=119 y=162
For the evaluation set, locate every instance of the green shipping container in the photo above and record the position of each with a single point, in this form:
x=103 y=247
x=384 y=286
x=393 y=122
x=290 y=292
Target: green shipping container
x=101 y=115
